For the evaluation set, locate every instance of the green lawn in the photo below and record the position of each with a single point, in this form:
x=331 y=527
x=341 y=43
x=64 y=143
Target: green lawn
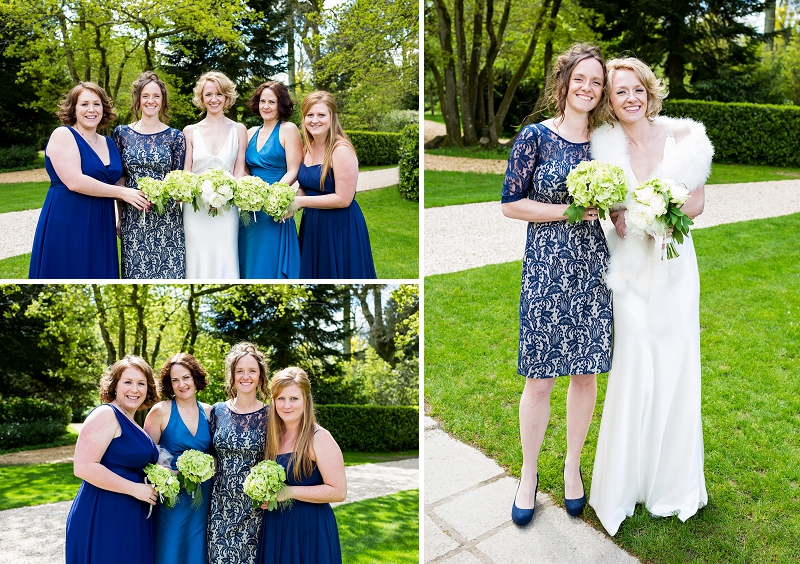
x=36 y=484
x=384 y=529
x=447 y=188
x=355 y=458
x=21 y=196
x=392 y=221
x=750 y=344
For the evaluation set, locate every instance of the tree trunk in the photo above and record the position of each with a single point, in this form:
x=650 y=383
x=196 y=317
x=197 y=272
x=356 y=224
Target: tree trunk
x=769 y=22
x=102 y=322
x=290 y=56
x=450 y=105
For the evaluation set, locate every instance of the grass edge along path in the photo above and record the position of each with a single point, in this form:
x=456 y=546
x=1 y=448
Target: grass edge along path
x=750 y=346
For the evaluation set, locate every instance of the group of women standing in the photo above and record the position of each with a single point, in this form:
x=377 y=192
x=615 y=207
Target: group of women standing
x=650 y=447
x=75 y=235
x=109 y=520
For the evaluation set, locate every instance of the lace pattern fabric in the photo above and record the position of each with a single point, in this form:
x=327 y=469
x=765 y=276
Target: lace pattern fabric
x=565 y=308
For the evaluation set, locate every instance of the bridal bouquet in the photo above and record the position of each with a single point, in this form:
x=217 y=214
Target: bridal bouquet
x=250 y=196
x=182 y=186
x=153 y=190
x=165 y=483
x=655 y=207
x=194 y=468
x=594 y=184
x=216 y=189
x=264 y=482
x=280 y=200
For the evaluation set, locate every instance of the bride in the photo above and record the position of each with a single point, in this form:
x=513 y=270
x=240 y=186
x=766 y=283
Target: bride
x=650 y=447
x=212 y=243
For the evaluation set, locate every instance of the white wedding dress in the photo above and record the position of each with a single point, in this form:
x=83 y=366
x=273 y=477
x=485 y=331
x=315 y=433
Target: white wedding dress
x=650 y=447
x=212 y=243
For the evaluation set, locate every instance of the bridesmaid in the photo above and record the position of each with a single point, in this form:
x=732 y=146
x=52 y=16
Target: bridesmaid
x=306 y=532
x=177 y=424
x=111 y=507
x=152 y=247
x=75 y=233
x=334 y=241
x=565 y=308
x=269 y=249
x=214 y=142
x=238 y=430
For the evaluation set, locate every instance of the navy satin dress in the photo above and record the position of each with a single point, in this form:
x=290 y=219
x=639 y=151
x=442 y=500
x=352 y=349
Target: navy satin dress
x=105 y=526
x=76 y=234
x=334 y=243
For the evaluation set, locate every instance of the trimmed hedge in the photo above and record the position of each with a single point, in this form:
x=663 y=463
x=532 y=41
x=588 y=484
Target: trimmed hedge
x=746 y=133
x=371 y=428
x=26 y=421
x=409 y=162
x=17 y=156
x=375 y=148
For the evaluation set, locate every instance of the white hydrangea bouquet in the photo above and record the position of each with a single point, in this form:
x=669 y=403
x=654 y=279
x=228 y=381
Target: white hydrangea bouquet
x=654 y=207
x=181 y=186
x=194 y=468
x=280 y=200
x=264 y=482
x=594 y=184
x=250 y=196
x=165 y=483
x=216 y=190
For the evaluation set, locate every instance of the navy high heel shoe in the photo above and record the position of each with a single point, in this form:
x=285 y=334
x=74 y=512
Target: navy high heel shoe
x=522 y=517
x=575 y=506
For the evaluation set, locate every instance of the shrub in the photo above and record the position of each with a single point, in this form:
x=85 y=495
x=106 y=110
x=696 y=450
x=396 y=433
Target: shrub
x=397 y=120
x=409 y=162
x=28 y=410
x=19 y=434
x=374 y=149
x=371 y=428
x=17 y=156
x=746 y=133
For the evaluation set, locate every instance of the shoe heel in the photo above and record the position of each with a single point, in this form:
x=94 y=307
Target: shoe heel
x=522 y=517
x=575 y=506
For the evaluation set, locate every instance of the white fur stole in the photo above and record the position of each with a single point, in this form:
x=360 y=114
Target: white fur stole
x=635 y=262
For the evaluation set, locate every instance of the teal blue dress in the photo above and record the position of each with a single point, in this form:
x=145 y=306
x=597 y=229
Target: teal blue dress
x=268 y=248
x=180 y=532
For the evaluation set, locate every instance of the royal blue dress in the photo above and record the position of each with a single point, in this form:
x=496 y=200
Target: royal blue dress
x=564 y=307
x=76 y=234
x=305 y=533
x=152 y=246
x=181 y=531
x=105 y=526
x=268 y=248
x=334 y=243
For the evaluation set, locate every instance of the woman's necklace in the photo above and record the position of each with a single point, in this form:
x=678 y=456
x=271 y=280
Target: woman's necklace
x=96 y=137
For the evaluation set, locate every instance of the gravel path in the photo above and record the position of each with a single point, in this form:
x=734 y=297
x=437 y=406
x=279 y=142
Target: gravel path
x=35 y=175
x=485 y=236
x=36 y=535
x=17 y=228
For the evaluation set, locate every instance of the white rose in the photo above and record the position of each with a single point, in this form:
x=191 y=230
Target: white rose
x=678 y=194
x=644 y=194
x=657 y=204
x=640 y=216
x=207 y=187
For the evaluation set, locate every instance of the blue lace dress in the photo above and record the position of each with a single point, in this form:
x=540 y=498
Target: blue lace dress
x=238 y=440
x=152 y=247
x=565 y=307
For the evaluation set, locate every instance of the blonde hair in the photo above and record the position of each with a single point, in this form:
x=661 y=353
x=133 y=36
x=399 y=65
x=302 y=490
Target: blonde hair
x=656 y=91
x=237 y=353
x=224 y=84
x=109 y=381
x=302 y=459
x=336 y=135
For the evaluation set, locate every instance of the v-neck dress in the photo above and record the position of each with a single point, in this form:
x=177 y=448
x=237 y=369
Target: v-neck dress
x=181 y=531
x=105 y=526
x=268 y=249
x=76 y=234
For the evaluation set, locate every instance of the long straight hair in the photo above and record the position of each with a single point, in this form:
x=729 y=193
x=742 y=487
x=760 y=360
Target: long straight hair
x=336 y=134
x=302 y=459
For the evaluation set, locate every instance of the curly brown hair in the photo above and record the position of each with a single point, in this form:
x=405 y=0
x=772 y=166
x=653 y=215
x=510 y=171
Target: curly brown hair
x=66 y=108
x=136 y=95
x=108 y=383
x=191 y=364
x=237 y=353
x=285 y=103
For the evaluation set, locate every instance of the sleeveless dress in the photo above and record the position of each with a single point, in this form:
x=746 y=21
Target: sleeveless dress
x=334 y=243
x=180 y=532
x=268 y=248
x=153 y=246
x=564 y=308
x=212 y=242
x=104 y=526
x=650 y=446
x=76 y=234
x=305 y=533
x=239 y=441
